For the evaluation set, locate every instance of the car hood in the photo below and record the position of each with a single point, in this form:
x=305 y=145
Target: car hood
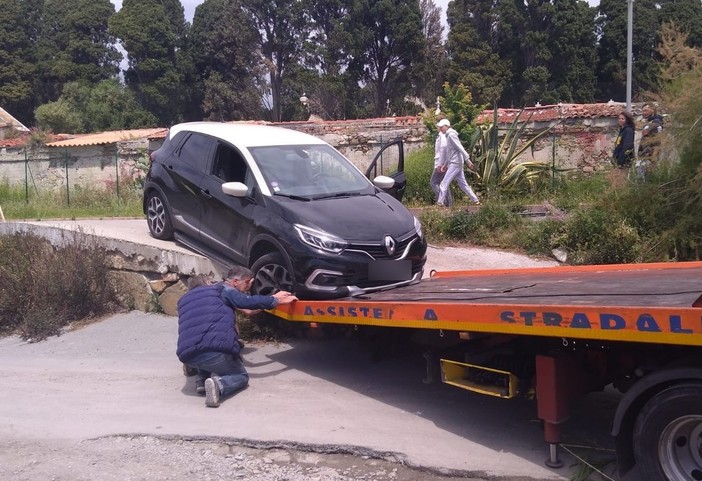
x=364 y=217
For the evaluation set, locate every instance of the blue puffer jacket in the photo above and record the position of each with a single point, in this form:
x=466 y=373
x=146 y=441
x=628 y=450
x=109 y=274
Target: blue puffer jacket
x=205 y=323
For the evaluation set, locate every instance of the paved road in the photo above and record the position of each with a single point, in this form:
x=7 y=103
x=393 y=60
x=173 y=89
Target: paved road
x=120 y=376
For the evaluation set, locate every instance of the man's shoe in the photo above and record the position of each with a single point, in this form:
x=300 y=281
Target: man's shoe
x=200 y=386
x=211 y=393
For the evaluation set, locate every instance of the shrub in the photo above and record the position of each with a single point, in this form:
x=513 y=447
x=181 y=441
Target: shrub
x=598 y=237
x=43 y=288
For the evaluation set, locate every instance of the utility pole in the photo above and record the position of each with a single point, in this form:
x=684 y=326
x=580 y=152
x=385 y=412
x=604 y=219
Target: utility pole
x=629 y=42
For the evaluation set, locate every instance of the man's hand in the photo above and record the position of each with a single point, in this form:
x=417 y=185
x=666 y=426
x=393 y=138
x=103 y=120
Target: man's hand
x=285 y=297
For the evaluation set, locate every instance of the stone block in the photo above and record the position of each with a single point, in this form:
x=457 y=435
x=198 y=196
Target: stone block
x=168 y=300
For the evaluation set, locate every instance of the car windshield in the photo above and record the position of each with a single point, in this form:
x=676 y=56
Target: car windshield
x=309 y=171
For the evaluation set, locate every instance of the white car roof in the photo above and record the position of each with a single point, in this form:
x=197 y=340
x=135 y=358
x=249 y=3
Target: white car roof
x=247 y=135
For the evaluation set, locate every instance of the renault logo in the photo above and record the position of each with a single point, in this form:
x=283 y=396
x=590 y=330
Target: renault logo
x=389 y=244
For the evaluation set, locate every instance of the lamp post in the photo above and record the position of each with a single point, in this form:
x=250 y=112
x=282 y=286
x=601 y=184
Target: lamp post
x=629 y=43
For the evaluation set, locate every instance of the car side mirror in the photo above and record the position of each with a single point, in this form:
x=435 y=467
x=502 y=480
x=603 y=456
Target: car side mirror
x=383 y=182
x=235 y=189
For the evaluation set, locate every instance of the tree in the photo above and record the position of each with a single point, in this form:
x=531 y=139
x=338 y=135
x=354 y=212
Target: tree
x=75 y=45
x=229 y=77
x=385 y=42
x=571 y=32
x=18 y=32
x=282 y=27
x=612 y=48
x=326 y=52
x=473 y=50
x=429 y=74
x=84 y=107
x=144 y=31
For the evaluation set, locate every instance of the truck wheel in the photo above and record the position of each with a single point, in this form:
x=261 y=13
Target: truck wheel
x=668 y=435
x=271 y=275
x=158 y=217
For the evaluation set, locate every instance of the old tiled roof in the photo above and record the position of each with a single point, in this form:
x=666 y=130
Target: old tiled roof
x=103 y=138
x=546 y=113
x=22 y=140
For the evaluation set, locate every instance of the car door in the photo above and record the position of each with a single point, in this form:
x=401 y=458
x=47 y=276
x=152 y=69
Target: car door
x=186 y=167
x=390 y=161
x=227 y=221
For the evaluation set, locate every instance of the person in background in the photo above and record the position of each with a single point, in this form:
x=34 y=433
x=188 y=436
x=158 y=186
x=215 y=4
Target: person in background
x=451 y=161
x=437 y=174
x=650 y=142
x=208 y=334
x=624 y=143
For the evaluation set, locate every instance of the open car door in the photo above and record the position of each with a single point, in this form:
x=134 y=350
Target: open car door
x=390 y=161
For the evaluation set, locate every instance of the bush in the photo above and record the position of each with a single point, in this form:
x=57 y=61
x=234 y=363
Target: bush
x=419 y=166
x=43 y=288
x=598 y=237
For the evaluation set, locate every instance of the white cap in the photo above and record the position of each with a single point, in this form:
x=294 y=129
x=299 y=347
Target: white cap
x=443 y=123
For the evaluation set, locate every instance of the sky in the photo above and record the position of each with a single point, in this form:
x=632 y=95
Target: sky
x=189 y=6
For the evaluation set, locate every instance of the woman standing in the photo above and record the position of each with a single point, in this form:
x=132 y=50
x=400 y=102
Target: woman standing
x=624 y=144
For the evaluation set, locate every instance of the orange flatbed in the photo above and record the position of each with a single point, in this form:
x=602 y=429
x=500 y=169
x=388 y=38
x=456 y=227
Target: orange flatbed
x=655 y=303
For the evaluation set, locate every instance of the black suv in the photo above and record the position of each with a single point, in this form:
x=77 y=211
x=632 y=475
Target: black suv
x=287 y=205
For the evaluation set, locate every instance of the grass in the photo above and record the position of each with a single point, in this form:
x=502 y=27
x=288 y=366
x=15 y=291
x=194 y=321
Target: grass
x=78 y=203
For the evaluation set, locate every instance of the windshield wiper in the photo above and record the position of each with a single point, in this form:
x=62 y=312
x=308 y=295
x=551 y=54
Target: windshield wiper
x=294 y=197
x=339 y=194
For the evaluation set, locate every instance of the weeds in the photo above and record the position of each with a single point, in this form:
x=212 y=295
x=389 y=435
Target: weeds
x=44 y=288
x=20 y=203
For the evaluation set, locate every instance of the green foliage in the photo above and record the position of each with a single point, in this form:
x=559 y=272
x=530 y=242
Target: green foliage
x=144 y=30
x=474 y=52
x=497 y=161
x=18 y=25
x=75 y=45
x=43 y=288
x=597 y=236
x=83 y=107
x=385 y=40
x=230 y=80
x=60 y=117
x=84 y=202
x=457 y=106
x=283 y=26
x=419 y=166
x=490 y=225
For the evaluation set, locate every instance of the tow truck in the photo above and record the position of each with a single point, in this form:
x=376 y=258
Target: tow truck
x=557 y=333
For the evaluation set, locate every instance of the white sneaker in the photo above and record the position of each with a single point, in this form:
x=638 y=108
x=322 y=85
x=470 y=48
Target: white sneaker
x=211 y=393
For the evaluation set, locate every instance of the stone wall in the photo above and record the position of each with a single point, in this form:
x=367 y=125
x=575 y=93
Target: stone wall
x=576 y=144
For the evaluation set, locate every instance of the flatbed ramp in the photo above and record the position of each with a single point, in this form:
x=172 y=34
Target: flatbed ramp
x=655 y=303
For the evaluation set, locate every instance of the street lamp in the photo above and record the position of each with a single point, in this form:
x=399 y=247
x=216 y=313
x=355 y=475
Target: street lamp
x=629 y=42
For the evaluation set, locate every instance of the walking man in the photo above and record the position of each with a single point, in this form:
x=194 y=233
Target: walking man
x=451 y=161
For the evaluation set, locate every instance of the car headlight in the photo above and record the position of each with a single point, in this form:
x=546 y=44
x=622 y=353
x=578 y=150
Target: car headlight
x=320 y=239
x=418 y=227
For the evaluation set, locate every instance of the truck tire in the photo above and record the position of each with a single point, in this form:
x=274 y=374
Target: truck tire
x=668 y=435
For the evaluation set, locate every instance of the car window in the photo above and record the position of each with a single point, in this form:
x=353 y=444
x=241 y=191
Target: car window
x=229 y=165
x=308 y=170
x=196 y=151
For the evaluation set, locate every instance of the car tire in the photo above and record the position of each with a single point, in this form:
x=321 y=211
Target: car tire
x=158 y=217
x=271 y=275
x=668 y=435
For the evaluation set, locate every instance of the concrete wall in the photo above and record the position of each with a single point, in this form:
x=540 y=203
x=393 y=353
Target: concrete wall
x=579 y=144
x=99 y=166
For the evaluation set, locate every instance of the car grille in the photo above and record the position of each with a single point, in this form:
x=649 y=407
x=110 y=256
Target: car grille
x=377 y=250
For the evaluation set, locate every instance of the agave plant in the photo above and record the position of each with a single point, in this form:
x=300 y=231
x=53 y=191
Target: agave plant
x=497 y=162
